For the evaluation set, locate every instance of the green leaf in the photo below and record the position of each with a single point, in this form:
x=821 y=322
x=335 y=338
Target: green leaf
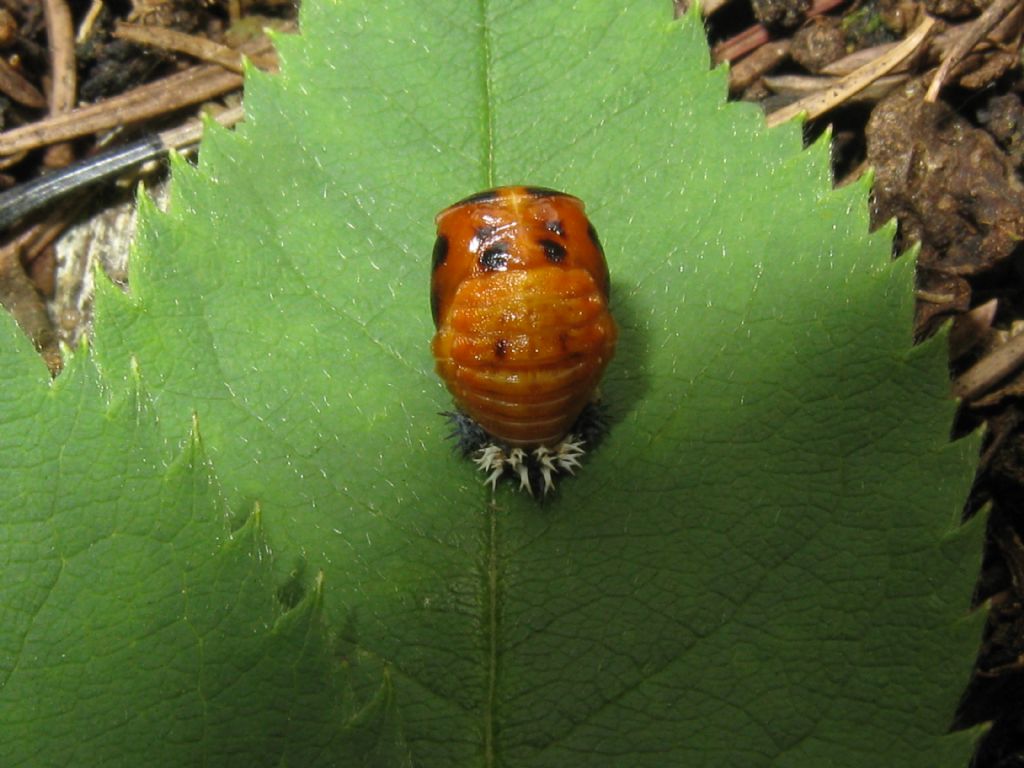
x=137 y=630
x=761 y=565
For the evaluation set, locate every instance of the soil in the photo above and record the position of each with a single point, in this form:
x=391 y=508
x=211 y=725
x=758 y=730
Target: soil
x=927 y=93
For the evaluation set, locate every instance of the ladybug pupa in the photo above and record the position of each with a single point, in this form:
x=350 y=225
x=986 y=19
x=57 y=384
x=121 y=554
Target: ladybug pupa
x=519 y=295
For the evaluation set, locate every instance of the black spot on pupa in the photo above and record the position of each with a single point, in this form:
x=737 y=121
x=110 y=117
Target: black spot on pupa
x=480 y=236
x=543 y=192
x=597 y=244
x=555 y=227
x=479 y=197
x=555 y=252
x=593 y=237
x=500 y=348
x=435 y=307
x=494 y=258
x=440 y=252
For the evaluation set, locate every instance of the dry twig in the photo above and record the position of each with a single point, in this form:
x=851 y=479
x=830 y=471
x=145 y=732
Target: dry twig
x=64 y=86
x=20 y=297
x=89 y=22
x=19 y=89
x=754 y=66
x=991 y=369
x=61 y=37
x=797 y=85
x=995 y=13
x=33 y=195
x=818 y=103
x=192 y=86
x=172 y=40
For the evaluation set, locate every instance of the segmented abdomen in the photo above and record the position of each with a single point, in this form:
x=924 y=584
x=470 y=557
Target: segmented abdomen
x=522 y=351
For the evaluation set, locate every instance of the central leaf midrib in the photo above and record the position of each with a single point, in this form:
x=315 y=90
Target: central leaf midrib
x=490 y=624
x=487 y=95
x=490 y=561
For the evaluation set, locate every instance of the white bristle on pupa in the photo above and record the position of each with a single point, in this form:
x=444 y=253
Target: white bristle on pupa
x=549 y=463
